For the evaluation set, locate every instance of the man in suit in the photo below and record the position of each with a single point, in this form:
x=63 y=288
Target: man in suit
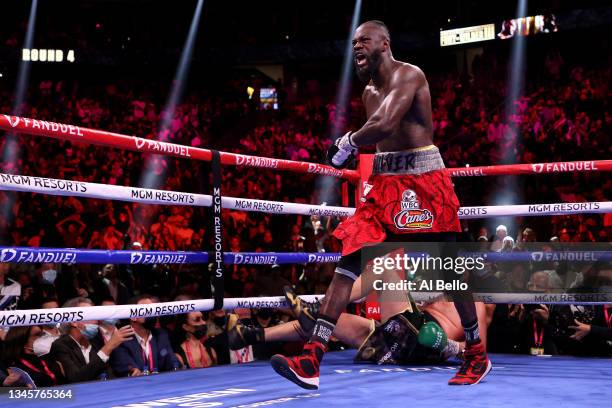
x=149 y=350
x=81 y=350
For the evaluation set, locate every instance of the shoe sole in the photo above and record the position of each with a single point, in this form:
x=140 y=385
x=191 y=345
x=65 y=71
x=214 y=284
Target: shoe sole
x=489 y=367
x=281 y=367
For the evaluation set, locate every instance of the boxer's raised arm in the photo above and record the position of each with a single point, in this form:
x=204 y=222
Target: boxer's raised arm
x=405 y=83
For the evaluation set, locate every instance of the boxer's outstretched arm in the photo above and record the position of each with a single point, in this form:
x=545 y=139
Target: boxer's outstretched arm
x=405 y=83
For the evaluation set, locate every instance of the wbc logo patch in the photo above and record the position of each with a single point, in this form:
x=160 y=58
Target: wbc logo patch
x=412 y=216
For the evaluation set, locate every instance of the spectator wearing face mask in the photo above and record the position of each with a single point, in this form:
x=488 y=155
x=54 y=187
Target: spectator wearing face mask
x=19 y=352
x=46 y=274
x=148 y=351
x=81 y=350
x=50 y=332
x=190 y=329
x=39 y=287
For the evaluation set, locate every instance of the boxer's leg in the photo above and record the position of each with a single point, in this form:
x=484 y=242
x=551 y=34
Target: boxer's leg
x=463 y=300
x=335 y=301
x=290 y=331
x=303 y=370
x=476 y=364
x=352 y=330
x=240 y=335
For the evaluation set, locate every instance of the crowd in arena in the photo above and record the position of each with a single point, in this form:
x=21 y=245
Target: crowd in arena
x=565 y=117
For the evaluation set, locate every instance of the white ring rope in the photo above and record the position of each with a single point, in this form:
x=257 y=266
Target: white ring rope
x=149 y=196
x=77 y=314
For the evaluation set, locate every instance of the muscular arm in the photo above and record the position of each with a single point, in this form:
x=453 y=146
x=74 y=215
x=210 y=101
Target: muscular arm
x=387 y=118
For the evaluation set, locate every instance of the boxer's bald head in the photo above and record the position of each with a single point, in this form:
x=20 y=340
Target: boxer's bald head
x=371 y=43
x=378 y=26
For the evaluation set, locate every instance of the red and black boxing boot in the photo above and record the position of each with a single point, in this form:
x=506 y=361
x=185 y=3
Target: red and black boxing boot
x=476 y=365
x=303 y=370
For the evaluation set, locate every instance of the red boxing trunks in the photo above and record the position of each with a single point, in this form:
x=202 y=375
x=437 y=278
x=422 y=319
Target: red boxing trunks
x=409 y=192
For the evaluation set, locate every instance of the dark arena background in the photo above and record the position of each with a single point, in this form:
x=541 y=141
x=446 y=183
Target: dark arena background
x=173 y=221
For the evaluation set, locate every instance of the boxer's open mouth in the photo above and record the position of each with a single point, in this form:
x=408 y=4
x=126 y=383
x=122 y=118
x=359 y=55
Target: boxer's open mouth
x=360 y=59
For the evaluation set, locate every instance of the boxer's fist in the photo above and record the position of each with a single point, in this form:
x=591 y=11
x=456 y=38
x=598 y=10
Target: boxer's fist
x=342 y=152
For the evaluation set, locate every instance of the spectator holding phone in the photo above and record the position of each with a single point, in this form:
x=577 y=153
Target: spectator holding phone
x=148 y=351
x=82 y=350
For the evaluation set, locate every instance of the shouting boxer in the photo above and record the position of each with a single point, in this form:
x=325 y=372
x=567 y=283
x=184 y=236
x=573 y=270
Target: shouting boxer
x=411 y=197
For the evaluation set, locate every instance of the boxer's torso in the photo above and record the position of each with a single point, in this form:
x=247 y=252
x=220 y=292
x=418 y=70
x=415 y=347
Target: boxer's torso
x=416 y=129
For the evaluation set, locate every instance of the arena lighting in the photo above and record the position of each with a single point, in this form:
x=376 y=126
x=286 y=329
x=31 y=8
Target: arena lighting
x=510 y=193
x=326 y=184
x=148 y=178
x=47 y=55
x=467 y=35
x=528 y=26
x=10 y=155
x=346 y=76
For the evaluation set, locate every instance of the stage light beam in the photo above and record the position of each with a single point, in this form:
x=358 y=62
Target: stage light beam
x=508 y=192
x=326 y=184
x=149 y=178
x=11 y=153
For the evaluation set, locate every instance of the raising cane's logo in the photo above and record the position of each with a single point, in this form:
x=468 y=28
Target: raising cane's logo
x=412 y=217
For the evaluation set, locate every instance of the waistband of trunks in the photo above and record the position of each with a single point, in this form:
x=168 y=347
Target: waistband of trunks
x=414 y=161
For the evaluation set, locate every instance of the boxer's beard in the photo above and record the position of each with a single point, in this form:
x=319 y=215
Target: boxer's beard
x=374 y=61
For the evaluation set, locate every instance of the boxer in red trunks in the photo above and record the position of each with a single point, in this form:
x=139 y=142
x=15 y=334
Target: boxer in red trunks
x=410 y=197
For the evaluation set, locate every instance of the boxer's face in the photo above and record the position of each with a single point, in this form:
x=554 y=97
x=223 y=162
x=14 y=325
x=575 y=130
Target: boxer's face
x=369 y=42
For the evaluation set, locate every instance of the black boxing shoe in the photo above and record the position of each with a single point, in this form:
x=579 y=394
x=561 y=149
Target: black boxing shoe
x=305 y=312
x=239 y=335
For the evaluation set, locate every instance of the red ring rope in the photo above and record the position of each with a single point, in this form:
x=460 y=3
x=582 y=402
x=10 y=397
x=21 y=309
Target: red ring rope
x=98 y=137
